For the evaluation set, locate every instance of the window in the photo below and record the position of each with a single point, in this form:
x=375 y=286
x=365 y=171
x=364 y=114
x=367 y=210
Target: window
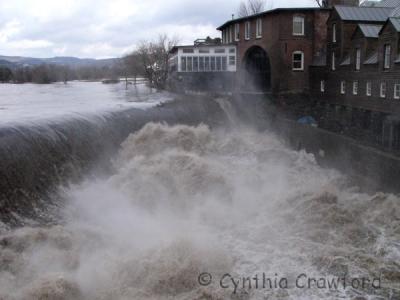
x=237 y=32
x=355 y=87
x=397 y=91
x=333 y=61
x=343 y=87
x=232 y=60
x=219 y=51
x=224 y=63
x=201 y=63
x=383 y=90
x=218 y=64
x=230 y=34
x=368 y=89
x=259 y=28
x=334 y=33
x=386 y=64
x=204 y=51
x=358 y=59
x=232 y=50
x=322 y=86
x=298 y=61
x=189 y=64
x=183 y=64
x=298 y=25
x=207 y=63
x=247 y=31
x=195 y=64
x=188 y=50
x=212 y=63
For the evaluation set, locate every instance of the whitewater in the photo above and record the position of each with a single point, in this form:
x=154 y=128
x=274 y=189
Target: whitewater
x=199 y=211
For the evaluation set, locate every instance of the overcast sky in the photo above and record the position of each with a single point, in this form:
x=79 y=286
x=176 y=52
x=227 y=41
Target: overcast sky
x=108 y=28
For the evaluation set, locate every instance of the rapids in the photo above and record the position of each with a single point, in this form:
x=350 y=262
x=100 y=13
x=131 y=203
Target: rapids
x=187 y=200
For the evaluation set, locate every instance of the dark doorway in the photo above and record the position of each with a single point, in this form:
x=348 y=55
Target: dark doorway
x=257 y=69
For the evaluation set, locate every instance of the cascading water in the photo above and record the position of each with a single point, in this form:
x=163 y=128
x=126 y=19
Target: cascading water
x=188 y=202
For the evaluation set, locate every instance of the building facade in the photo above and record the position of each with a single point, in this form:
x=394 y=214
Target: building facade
x=275 y=48
x=208 y=65
x=358 y=89
x=344 y=57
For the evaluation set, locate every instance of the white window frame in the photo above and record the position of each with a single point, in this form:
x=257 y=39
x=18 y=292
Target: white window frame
x=387 y=55
x=382 y=91
x=247 y=31
x=295 y=20
x=334 y=37
x=322 y=86
x=259 y=24
x=333 y=61
x=302 y=61
x=368 y=89
x=343 y=87
x=358 y=59
x=355 y=87
x=237 y=32
x=396 y=91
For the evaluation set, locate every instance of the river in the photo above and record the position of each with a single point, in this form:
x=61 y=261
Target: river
x=197 y=208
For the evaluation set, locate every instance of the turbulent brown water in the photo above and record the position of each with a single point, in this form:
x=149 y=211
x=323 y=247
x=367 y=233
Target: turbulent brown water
x=184 y=201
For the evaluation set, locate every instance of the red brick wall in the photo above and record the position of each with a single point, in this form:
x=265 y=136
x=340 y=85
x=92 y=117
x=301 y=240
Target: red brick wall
x=279 y=43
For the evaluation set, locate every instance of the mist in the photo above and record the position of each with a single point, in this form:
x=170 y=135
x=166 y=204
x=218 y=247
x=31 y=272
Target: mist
x=184 y=201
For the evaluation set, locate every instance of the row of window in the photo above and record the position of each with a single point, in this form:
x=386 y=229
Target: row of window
x=206 y=63
x=387 y=53
x=219 y=63
x=206 y=50
x=368 y=89
x=386 y=58
x=232 y=34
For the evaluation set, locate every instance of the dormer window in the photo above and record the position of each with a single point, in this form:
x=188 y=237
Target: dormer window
x=334 y=33
x=247 y=30
x=358 y=59
x=386 y=64
x=298 y=25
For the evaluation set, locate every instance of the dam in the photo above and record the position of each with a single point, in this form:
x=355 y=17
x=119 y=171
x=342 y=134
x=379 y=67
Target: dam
x=164 y=196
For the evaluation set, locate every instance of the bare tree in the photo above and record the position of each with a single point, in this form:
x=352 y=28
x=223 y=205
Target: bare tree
x=151 y=59
x=251 y=7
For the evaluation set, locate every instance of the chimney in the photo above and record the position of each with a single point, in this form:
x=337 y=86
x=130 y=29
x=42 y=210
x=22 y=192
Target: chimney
x=331 y=3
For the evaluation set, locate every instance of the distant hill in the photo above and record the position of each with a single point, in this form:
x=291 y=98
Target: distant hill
x=5 y=63
x=16 y=61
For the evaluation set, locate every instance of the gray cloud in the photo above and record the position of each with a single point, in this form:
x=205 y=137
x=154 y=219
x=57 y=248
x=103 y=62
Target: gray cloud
x=103 y=28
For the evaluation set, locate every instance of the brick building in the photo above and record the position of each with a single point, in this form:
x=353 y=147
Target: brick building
x=275 y=48
x=344 y=57
x=357 y=90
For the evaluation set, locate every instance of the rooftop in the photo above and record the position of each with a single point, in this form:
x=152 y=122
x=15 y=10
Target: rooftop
x=271 y=11
x=388 y=3
x=366 y=14
x=370 y=31
x=373 y=59
x=396 y=23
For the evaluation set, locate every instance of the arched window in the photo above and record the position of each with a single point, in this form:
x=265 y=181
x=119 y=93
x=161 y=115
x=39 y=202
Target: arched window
x=298 y=61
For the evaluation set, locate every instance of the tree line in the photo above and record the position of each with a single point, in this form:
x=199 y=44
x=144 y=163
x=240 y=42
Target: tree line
x=148 y=60
x=48 y=73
